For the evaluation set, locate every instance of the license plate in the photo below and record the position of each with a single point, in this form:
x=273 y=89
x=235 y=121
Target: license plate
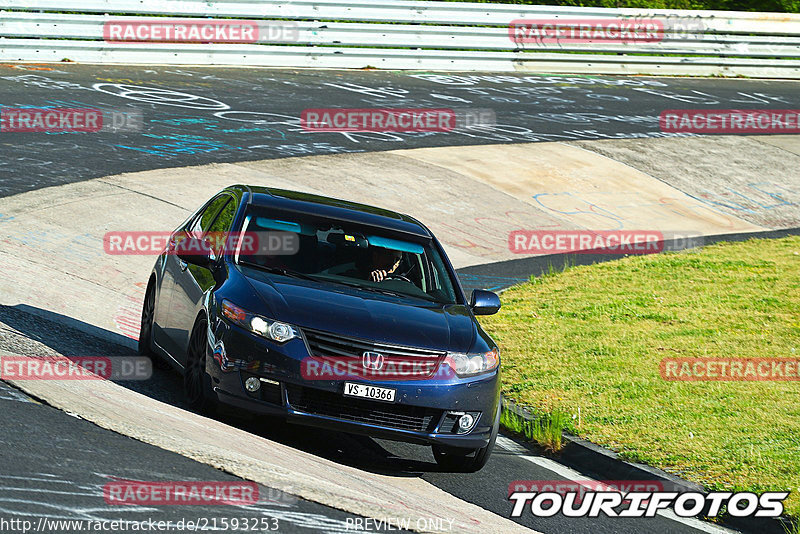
x=369 y=392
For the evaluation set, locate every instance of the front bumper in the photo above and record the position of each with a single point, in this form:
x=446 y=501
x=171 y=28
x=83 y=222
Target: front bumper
x=420 y=413
x=477 y=438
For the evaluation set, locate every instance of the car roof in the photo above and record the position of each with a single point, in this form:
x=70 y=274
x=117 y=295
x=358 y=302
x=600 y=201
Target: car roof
x=333 y=208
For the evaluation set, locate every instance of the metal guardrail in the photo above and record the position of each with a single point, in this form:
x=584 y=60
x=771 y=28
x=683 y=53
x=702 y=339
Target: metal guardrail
x=408 y=34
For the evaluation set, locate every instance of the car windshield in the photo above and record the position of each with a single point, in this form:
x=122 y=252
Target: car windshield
x=364 y=257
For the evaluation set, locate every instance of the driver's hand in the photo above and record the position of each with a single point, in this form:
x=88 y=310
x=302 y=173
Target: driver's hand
x=378 y=275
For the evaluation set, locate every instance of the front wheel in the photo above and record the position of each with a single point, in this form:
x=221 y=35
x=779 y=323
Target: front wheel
x=462 y=460
x=197 y=387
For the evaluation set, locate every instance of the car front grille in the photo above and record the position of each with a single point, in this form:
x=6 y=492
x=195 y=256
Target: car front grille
x=423 y=362
x=395 y=416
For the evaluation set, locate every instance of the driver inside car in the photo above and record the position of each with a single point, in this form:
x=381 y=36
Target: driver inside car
x=385 y=262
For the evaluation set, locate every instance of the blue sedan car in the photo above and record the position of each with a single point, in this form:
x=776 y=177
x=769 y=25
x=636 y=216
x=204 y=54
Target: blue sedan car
x=329 y=313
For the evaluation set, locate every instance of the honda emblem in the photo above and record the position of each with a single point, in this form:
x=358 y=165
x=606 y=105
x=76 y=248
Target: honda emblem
x=372 y=360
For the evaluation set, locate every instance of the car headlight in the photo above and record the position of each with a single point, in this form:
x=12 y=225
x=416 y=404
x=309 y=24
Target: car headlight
x=274 y=330
x=473 y=363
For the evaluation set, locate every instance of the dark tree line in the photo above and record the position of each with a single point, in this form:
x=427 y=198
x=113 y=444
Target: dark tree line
x=782 y=6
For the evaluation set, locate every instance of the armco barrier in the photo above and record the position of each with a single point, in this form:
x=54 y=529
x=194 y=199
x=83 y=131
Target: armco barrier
x=408 y=34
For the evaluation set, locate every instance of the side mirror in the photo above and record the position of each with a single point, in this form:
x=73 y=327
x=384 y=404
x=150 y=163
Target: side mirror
x=196 y=251
x=484 y=302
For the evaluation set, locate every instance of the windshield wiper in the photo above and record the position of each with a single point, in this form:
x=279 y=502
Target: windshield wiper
x=380 y=290
x=384 y=291
x=281 y=271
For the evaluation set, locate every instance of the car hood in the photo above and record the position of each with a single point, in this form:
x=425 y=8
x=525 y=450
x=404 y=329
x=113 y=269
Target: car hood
x=354 y=313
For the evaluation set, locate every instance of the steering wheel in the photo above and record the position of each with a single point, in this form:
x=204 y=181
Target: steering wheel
x=393 y=276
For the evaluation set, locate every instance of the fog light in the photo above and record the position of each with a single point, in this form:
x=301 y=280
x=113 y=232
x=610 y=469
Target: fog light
x=252 y=384
x=465 y=422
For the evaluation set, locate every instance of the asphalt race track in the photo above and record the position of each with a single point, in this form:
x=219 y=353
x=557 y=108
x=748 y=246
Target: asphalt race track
x=57 y=467
x=199 y=115
x=57 y=464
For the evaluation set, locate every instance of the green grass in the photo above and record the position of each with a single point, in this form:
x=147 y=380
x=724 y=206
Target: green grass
x=592 y=337
x=792 y=528
x=544 y=429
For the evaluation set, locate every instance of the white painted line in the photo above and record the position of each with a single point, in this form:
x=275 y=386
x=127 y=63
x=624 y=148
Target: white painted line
x=33 y=479
x=696 y=523
x=575 y=476
x=9 y=393
x=510 y=445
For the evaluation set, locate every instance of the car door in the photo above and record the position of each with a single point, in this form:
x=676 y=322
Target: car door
x=168 y=269
x=177 y=276
x=193 y=281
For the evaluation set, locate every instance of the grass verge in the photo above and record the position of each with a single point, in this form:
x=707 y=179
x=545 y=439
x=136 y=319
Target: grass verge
x=544 y=429
x=592 y=338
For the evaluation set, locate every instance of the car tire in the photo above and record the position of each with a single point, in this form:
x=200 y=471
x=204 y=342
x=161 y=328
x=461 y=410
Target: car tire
x=461 y=460
x=197 y=387
x=146 y=329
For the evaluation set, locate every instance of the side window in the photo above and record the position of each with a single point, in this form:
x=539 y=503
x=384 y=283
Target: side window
x=440 y=282
x=204 y=219
x=222 y=225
